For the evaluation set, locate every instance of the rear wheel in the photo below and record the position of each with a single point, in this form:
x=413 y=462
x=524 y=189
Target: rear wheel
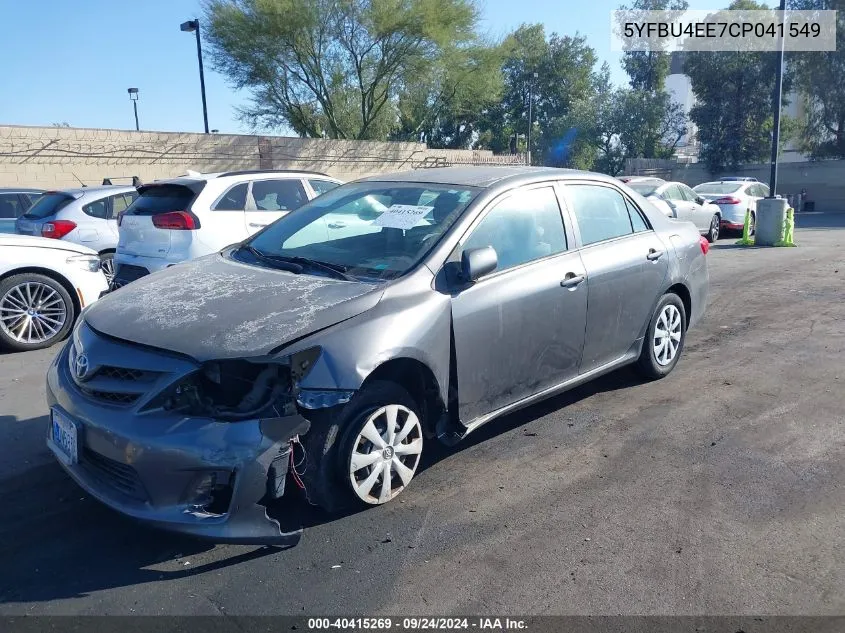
x=713 y=233
x=35 y=312
x=664 y=340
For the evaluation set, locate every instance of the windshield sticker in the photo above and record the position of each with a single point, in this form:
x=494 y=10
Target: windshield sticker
x=402 y=216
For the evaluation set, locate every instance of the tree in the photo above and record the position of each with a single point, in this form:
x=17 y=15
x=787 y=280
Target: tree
x=647 y=70
x=820 y=78
x=734 y=93
x=333 y=67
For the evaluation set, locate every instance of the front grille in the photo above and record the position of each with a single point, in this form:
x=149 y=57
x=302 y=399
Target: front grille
x=120 y=373
x=127 y=273
x=111 y=396
x=121 y=477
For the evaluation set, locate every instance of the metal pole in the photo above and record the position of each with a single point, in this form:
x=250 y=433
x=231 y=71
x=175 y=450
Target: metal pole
x=202 y=78
x=773 y=176
x=530 y=116
x=135 y=105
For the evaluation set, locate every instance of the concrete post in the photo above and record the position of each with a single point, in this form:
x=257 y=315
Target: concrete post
x=771 y=213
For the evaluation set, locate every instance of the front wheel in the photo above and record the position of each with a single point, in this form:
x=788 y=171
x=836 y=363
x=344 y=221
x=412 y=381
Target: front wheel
x=35 y=312
x=664 y=340
x=107 y=265
x=713 y=233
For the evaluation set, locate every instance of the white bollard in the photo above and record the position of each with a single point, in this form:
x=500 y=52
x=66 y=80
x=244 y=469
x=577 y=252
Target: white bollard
x=771 y=213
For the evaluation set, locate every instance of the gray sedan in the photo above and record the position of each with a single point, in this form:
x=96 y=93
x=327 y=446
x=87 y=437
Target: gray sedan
x=193 y=397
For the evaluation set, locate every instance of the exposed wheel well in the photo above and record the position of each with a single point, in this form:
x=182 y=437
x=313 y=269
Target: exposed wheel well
x=420 y=383
x=77 y=307
x=683 y=292
x=107 y=250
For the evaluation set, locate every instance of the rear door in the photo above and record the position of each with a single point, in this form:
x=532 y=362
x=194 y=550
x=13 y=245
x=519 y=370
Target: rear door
x=271 y=199
x=684 y=209
x=226 y=224
x=701 y=214
x=626 y=264
x=92 y=225
x=138 y=235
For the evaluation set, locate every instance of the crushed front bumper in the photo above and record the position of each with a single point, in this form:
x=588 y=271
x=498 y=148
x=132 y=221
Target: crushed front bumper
x=159 y=467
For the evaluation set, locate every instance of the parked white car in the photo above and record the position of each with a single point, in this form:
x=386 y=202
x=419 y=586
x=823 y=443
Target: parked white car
x=734 y=196
x=677 y=200
x=180 y=219
x=44 y=285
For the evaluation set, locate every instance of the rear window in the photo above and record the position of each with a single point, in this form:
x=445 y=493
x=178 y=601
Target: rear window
x=160 y=199
x=48 y=204
x=643 y=188
x=718 y=187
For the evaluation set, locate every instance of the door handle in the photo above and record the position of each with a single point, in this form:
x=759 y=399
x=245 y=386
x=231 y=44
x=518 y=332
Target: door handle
x=654 y=255
x=256 y=225
x=572 y=280
x=337 y=225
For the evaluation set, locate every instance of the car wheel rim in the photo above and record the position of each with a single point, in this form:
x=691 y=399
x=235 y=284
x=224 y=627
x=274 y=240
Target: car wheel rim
x=385 y=454
x=32 y=312
x=667 y=335
x=107 y=265
x=714 y=229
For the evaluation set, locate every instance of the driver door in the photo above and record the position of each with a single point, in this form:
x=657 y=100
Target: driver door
x=520 y=329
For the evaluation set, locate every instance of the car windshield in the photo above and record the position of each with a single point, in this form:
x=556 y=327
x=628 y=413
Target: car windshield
x=718 y=187
x=644 y=188
x=374 y=230
x=47 y=205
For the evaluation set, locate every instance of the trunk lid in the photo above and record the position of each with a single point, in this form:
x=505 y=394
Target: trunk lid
x=138 y=234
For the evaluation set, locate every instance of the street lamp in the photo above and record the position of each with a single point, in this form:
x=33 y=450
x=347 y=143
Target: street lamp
x=530 y=115
x=133 y=96
x=773 y=174
x=187 y=27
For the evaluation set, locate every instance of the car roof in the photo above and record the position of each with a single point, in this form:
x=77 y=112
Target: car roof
x=482 y=177
x=20 y=190
x=192 y=177
x=78 y=192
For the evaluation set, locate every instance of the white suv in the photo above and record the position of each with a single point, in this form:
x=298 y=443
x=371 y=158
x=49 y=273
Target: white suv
x=183 y=218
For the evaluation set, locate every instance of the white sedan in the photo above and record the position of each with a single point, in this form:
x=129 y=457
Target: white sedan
x=44 y=285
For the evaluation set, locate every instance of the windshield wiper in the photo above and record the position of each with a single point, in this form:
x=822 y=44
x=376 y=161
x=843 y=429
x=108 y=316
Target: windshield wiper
x=292 y=267
x=335 y=270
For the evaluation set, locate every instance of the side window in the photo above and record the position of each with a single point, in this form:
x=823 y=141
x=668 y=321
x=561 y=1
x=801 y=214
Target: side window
x=689 y=194
x=9 y=206
x=601 y=212
x=120 y=202
x=278 y=195
x=97 y=209
x=637 y=219
x=234 y=199
x=322 y=186
x=525 y=226
x=673 y=192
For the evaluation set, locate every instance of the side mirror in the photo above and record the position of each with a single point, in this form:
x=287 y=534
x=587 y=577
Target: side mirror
x=700 y=200
x=477 y=262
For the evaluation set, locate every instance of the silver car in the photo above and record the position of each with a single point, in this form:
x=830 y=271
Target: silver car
x=190 y=398
x=677 y=200
x=85 y=216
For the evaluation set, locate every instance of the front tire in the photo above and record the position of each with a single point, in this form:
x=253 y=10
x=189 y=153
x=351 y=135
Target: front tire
x=35 y=312
x=369 y=456
x=713 y=233
x=664 y=340
x=107 y=266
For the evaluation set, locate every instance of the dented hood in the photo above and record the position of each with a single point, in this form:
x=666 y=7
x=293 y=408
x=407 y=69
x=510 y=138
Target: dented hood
x=215 y=308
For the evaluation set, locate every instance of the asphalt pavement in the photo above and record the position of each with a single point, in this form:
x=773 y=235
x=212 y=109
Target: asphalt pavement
x=718 y=490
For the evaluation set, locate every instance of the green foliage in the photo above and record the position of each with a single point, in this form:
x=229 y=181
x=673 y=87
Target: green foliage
x=647 y=70
x=334 y=67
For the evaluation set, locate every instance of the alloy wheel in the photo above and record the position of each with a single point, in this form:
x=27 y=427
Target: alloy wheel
x=667 y=335
x=386 y=453
x=714 y=228
x=32 y=312
x=107 y=266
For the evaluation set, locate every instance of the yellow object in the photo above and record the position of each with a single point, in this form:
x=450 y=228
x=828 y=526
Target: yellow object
x=788 y=238
x=746 y=229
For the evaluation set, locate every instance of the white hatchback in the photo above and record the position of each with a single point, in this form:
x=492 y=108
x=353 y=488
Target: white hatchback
x=180 y=219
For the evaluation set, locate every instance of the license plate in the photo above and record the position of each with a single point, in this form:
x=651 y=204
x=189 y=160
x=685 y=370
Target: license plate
x=64 y=435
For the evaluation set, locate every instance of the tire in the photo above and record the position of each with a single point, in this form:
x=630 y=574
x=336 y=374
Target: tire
x=107 y=264
x=713 y=232
x=29 y=295
x=653 y=363
x=329 y=481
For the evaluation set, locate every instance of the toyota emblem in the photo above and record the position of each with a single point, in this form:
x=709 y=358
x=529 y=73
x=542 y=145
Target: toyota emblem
x=81 y=366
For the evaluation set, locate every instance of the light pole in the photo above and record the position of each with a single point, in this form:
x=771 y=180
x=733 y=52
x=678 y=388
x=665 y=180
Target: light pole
x=530 y=115
x=773 y=176
x=187 y=27
x=133 y=96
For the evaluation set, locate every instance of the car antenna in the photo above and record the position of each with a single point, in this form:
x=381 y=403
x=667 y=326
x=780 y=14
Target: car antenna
x=79 y=179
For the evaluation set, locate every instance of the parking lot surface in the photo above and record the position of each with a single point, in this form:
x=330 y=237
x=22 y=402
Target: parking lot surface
x=718 y=490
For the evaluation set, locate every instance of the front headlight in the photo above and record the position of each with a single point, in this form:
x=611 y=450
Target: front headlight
x=90 y=263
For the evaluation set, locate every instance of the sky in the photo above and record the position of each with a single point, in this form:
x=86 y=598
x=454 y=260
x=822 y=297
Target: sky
x=72 y=62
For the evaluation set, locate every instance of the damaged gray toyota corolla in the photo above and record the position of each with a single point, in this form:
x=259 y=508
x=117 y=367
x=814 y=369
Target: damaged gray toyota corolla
x=329 y=348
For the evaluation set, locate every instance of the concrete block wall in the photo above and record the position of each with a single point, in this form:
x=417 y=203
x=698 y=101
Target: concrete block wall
x=53 y=158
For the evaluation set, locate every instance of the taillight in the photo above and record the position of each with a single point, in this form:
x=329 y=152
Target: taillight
x=57 y=229
x=728 y=200
x=705 y=245
x=175 y=221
